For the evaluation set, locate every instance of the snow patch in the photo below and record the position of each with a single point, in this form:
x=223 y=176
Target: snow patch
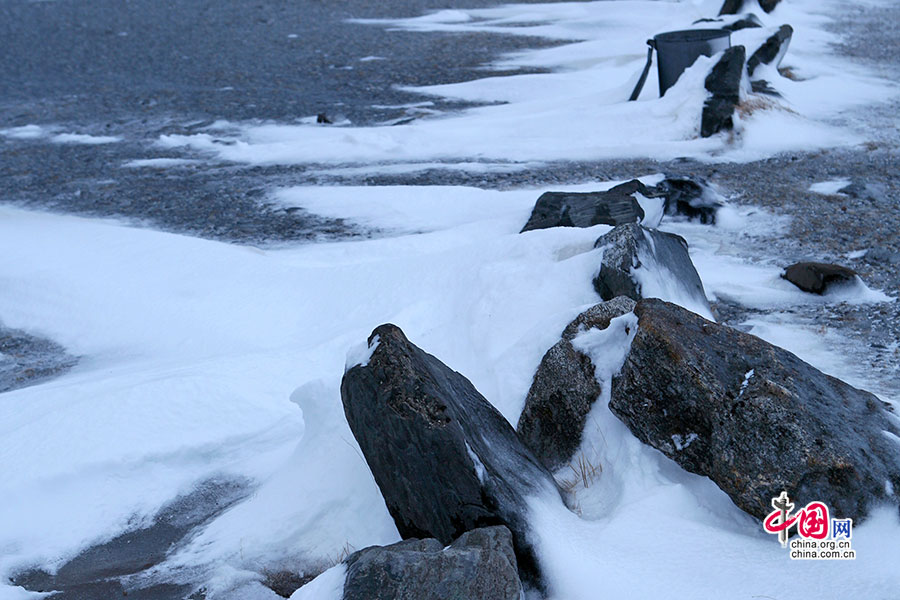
x=327 y=586
x=361 y=354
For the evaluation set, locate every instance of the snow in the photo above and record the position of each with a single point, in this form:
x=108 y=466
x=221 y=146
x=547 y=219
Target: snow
x=202 y=359
x=82 y=138
x=829 y=187
x=578 y=112
x=159 y=163
x=327 y=586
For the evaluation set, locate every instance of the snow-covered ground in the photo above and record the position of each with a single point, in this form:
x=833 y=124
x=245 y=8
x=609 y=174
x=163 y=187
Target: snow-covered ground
x=203 y=359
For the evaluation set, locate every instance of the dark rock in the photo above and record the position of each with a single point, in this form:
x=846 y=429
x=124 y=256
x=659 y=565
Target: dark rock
x=445 y=460
x=613 y=207
x=634 y=256
x=772 y=51
x=480 y=564
x=564 y=389
x=748 y=21
x=768 y=5
x=816 y=278
x=724 y=85
x=323 y=119
x=753 y=417
x=761 y=86
x=691 y=197
x=731 y=7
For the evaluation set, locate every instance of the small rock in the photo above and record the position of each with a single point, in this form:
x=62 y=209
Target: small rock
x=480 y=564
x=445 y=460
x=724 y=85
x=640 y=263
x=323 y=119
x=883 y=255
x=861 y=190
x=753 y=417
x=564 y=389
x=691 y=197
x=748 y=21
x=731 y=7
x=772 y=50
x=768 y=5
x=816 y=278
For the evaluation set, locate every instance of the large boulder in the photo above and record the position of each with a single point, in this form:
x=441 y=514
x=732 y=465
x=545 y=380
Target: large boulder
x=724 y=85
x=445 y=460
x=816 y=278
x=646 y=263
x=772 y=50
x=615 y=206
x=753 y=417
x=480 y=564
x=564 y=389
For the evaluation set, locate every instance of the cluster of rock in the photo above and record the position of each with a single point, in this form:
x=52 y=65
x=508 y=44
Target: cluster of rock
x=725 y=80
x=456 y=476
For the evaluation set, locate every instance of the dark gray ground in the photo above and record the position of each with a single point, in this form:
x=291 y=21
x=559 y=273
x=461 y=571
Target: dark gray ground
x=143 y=68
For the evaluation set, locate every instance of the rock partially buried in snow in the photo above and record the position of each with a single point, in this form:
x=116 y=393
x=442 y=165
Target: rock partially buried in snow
x=772 y=51
x=646 y=263
x=690 y=197
x=564 y=389
x=724 y=85
x=733 y=7
x=816 y=278
x=480 y=564
x=444 y=459
x=615 y=206
x=753 y=417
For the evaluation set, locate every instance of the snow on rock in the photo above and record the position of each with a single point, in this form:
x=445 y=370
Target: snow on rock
x=647 y=263
x=417 y=422
x=566 y=385
x=752 y=417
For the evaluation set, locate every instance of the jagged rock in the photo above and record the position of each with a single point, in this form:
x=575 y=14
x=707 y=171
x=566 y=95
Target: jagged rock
x=480 y=564
x=724 y=85
x=748 y=21
x=323 y=119
x=445 y=460
x=761 y=86
x=772 y=51
x=816 y=278
x=731 y=7
x=768 y=5
x=643 y=263
x=753 y=417
x=612 y=207
x=690 y=197
x=564 y=389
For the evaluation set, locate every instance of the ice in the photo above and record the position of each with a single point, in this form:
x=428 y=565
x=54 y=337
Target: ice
x=81 y=138
x=829 y=187
x=159 y=163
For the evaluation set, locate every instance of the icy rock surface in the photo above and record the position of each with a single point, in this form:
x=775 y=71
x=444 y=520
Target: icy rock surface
x=724 y=85
x=445 y=460
x=480 y=564
x=564 y=389
x=753 y=417
x=616 y=206
x=646 y=263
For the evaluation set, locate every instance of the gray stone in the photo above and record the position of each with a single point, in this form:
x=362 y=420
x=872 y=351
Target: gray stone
x=724 y=85
x=612 y=207
x=480 y=564
x=564 y=390
x=772 y=51
x=768 y=5
x=691 y=197
x=816 y=278
x=445 y=460
x=753 y=417
x=632 y=253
